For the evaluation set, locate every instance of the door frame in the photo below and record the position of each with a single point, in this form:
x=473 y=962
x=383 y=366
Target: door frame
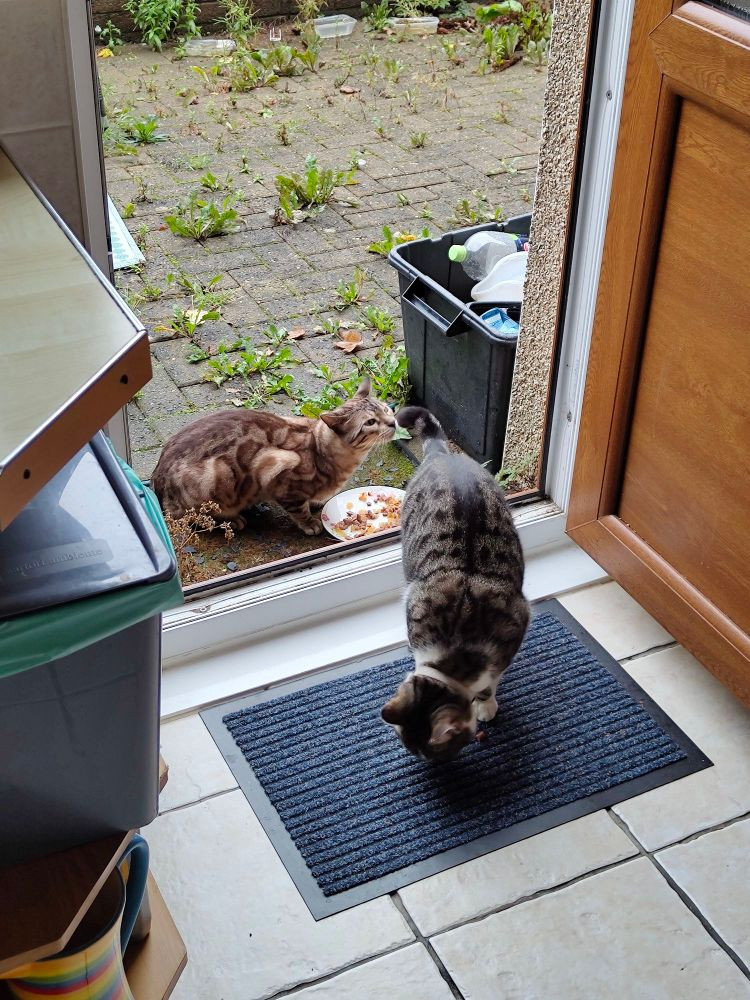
x=242 y=614
x=650 y=115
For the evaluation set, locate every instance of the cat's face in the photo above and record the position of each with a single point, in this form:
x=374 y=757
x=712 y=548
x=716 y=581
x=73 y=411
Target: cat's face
x=362 y=421
x=431 y=721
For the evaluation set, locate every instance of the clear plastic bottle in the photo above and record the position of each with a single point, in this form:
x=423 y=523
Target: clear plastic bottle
x=482 y=251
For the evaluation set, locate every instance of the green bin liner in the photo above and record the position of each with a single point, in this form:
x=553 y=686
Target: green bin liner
x=49 y=634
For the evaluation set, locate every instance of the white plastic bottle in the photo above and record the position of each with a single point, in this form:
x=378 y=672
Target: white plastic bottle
x=482 y=251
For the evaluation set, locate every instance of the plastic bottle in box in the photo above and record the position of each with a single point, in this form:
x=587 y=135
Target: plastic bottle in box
x=482 y=251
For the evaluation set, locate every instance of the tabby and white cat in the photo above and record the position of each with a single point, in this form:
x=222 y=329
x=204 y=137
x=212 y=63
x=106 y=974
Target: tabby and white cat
x=238 y=458
x=465 y=609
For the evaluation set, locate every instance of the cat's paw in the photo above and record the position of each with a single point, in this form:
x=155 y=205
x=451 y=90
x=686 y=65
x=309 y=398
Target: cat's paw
x=486 y=710
x=313 y=528
x=238 y=523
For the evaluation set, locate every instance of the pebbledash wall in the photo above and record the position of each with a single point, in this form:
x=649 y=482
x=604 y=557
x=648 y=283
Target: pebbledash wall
x=211 y=11
x=563 y=99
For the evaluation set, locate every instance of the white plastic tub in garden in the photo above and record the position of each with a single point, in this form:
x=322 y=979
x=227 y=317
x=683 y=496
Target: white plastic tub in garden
x=334 y=25
x=415 y=25
x=210 y=47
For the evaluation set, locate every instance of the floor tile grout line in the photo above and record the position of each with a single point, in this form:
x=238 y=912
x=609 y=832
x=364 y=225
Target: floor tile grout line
x=698 y=833
x=689 y=838
x=648 y=652
x=548 y=891
x=686 y=900
x=294 y=990
x=421 y=939
x=197 y=802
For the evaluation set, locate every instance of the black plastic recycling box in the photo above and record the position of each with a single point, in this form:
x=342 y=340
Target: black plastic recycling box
x=459 y=367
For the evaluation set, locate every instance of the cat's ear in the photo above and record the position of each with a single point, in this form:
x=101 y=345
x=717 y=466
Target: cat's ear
x=443 y=732
x=334 y=420
x=365 y=388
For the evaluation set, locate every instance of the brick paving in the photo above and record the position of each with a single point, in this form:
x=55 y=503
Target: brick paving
x=482 y=134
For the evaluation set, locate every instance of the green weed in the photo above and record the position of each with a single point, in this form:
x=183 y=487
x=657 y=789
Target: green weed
x=376 y=16
x=351 y=293
x=238 y=20
x=142 y=131
x=247 y=362
x=378 y=319
x=211 y=182
x=387 y=371
x=109 y=35
x=332 y=327
x=500 y=44
x=468 y=213
x=393 y=238
x=308 y=10
x=393 y=69
x=204 y=294
x=199 y=219
x=451 y=52
x=185 y=322
x=158 y=20
x=197 y=161
x=306 y=194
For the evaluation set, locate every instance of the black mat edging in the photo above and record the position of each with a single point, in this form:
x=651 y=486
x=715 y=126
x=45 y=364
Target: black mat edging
x=318 y=903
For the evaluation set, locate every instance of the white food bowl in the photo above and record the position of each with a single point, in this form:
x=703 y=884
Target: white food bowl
x=334 y=25
x=336 y=509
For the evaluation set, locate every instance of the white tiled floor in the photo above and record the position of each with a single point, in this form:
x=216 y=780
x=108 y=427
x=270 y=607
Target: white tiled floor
x=583 y=911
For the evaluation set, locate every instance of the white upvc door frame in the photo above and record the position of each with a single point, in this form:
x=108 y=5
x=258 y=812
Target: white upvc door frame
x=251 y=613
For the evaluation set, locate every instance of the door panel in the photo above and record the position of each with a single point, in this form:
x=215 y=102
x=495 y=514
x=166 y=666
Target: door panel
x=687 y=478
x=662 y=482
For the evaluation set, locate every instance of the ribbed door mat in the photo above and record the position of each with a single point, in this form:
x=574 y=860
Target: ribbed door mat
x=353 y=816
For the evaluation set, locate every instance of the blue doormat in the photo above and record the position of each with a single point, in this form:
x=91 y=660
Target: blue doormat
x=353 y=816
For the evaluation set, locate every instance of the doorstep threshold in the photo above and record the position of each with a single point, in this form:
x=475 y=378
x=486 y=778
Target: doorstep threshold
x=314 y=643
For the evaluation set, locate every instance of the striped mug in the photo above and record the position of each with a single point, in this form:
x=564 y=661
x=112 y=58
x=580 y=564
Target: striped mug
x=90 y=967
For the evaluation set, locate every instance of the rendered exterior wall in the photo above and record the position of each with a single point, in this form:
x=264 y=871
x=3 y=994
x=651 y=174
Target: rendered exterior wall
x=549 y=232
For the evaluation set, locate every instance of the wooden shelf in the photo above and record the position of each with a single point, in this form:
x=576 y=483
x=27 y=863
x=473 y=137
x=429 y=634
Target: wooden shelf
x=153 y=965
x=73 y=354
x=42 y=902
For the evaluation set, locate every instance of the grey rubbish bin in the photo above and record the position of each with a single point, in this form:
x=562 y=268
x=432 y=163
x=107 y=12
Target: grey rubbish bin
x=85 y=571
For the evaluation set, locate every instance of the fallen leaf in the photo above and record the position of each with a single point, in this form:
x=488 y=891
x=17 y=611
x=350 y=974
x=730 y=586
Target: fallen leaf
x=348 y=90
x=296 y=333
x=350 y=341
x=105 y=53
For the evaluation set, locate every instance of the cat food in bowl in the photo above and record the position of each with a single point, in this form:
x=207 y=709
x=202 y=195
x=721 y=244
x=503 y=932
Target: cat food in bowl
x=363 y=511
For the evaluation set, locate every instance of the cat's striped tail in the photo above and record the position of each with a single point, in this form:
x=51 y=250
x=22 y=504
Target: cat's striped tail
x=420 y=422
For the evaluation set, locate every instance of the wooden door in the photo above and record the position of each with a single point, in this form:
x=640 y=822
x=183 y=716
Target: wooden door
x=661 y=489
